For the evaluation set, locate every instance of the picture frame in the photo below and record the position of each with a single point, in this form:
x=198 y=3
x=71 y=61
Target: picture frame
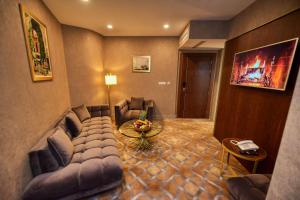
x=37 y=46
x=265 y=67
x=141 y=64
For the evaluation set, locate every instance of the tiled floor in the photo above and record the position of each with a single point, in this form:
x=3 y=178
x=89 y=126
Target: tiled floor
x=183 y=164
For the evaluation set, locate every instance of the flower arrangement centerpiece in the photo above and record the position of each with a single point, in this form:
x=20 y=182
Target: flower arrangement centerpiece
x=142 y=124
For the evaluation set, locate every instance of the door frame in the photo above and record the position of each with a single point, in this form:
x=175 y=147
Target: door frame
x=215 y=53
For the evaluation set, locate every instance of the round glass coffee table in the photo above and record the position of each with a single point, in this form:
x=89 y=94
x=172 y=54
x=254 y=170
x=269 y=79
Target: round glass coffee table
x=140 y=140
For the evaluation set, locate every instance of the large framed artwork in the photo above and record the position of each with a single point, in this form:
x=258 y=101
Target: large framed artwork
x=264 y=67
x=36 y=39
x=141 y=64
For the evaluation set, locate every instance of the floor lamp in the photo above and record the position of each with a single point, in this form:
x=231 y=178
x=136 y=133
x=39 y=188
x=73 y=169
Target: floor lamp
x=109 y=81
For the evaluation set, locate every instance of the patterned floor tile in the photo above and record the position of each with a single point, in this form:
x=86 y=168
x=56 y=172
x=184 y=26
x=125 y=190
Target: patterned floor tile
x=184 y=163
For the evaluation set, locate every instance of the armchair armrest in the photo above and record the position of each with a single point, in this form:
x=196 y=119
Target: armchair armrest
x=149 y=107
x=99 y=110
x=120 y=109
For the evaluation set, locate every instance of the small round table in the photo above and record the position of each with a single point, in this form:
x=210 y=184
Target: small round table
x=140 y=139
x=234 y=150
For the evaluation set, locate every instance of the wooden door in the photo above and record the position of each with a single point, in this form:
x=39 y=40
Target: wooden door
x=195 y=85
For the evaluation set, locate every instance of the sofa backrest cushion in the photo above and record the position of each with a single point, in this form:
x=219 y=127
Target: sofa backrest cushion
x=82 y=112
x=61 y=146
x=136 y=103
x=41 y=158
x=73 y=124
x=63 y=124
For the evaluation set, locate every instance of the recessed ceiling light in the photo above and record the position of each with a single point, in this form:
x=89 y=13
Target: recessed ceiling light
x=166 y=26
x=85 y=0
x=109 y=26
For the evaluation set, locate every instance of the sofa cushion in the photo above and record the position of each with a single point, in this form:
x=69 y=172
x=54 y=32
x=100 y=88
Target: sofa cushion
x=73 y=123
x=249 y=187
x=62 y=146
x=136 y=103
x=96 y=150
x=82 y=112
x=77 y=179
x=41 y=157
x=95 y=141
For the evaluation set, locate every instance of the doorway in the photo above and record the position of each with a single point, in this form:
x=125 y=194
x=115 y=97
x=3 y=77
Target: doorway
x=195 y=84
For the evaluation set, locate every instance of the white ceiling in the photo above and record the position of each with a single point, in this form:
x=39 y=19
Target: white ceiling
x=142 y=17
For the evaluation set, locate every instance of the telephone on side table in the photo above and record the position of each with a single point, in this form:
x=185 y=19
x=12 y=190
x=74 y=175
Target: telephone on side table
x=246 y=146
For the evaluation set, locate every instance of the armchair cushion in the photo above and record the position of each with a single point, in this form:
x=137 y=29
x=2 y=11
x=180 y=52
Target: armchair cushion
x=73 y=123
x=132 y=114
x=136 y=103
x=62 y=146
x=82 y=112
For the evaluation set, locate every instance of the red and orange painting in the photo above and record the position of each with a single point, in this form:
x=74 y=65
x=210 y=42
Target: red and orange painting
x=264 y=67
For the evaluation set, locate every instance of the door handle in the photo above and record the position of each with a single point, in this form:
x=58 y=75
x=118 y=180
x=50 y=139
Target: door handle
x=184 y=86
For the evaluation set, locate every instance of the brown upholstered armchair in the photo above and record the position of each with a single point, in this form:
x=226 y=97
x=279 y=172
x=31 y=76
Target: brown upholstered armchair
x=124 y=111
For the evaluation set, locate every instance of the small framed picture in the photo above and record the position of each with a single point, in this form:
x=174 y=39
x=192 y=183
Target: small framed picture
x=141 y=64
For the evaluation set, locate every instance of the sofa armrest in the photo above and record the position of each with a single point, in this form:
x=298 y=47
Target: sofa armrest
x=122 y=106
x=120 y=109
x=149 y=107
x=252 y=186
x=99 y=110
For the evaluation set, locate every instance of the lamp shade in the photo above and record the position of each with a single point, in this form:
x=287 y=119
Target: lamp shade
x=110 y=79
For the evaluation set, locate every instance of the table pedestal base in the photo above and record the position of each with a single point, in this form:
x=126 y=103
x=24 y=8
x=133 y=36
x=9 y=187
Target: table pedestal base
x=141 y=143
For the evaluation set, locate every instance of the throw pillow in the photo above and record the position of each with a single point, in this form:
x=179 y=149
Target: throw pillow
x=82 y=112
x=41 y=157
x=136 y=103
x=73 y=124
x=62 y=146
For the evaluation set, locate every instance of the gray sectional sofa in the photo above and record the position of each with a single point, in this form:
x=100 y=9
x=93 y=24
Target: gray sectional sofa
x=88 y=164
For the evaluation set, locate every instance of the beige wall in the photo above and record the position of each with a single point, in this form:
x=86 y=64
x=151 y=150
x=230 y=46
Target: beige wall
x=118 y=53
x=83 y=52
x=26 y=108
x=285 y=182
x=259 y=13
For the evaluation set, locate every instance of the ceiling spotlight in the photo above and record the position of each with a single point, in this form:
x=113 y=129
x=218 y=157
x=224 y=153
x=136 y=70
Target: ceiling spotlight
x=166 y=26
x=109 y=26
x=85 y=0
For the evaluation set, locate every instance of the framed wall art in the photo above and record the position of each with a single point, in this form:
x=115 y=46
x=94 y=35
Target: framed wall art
x=36 y=39
x=264 y=67
x=141 y=64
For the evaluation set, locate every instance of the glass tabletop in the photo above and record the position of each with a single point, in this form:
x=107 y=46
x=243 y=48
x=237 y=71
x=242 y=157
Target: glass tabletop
x=127 y=129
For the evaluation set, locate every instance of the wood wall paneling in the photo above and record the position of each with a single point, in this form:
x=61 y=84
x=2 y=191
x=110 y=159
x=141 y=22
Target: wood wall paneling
x=254 y=113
